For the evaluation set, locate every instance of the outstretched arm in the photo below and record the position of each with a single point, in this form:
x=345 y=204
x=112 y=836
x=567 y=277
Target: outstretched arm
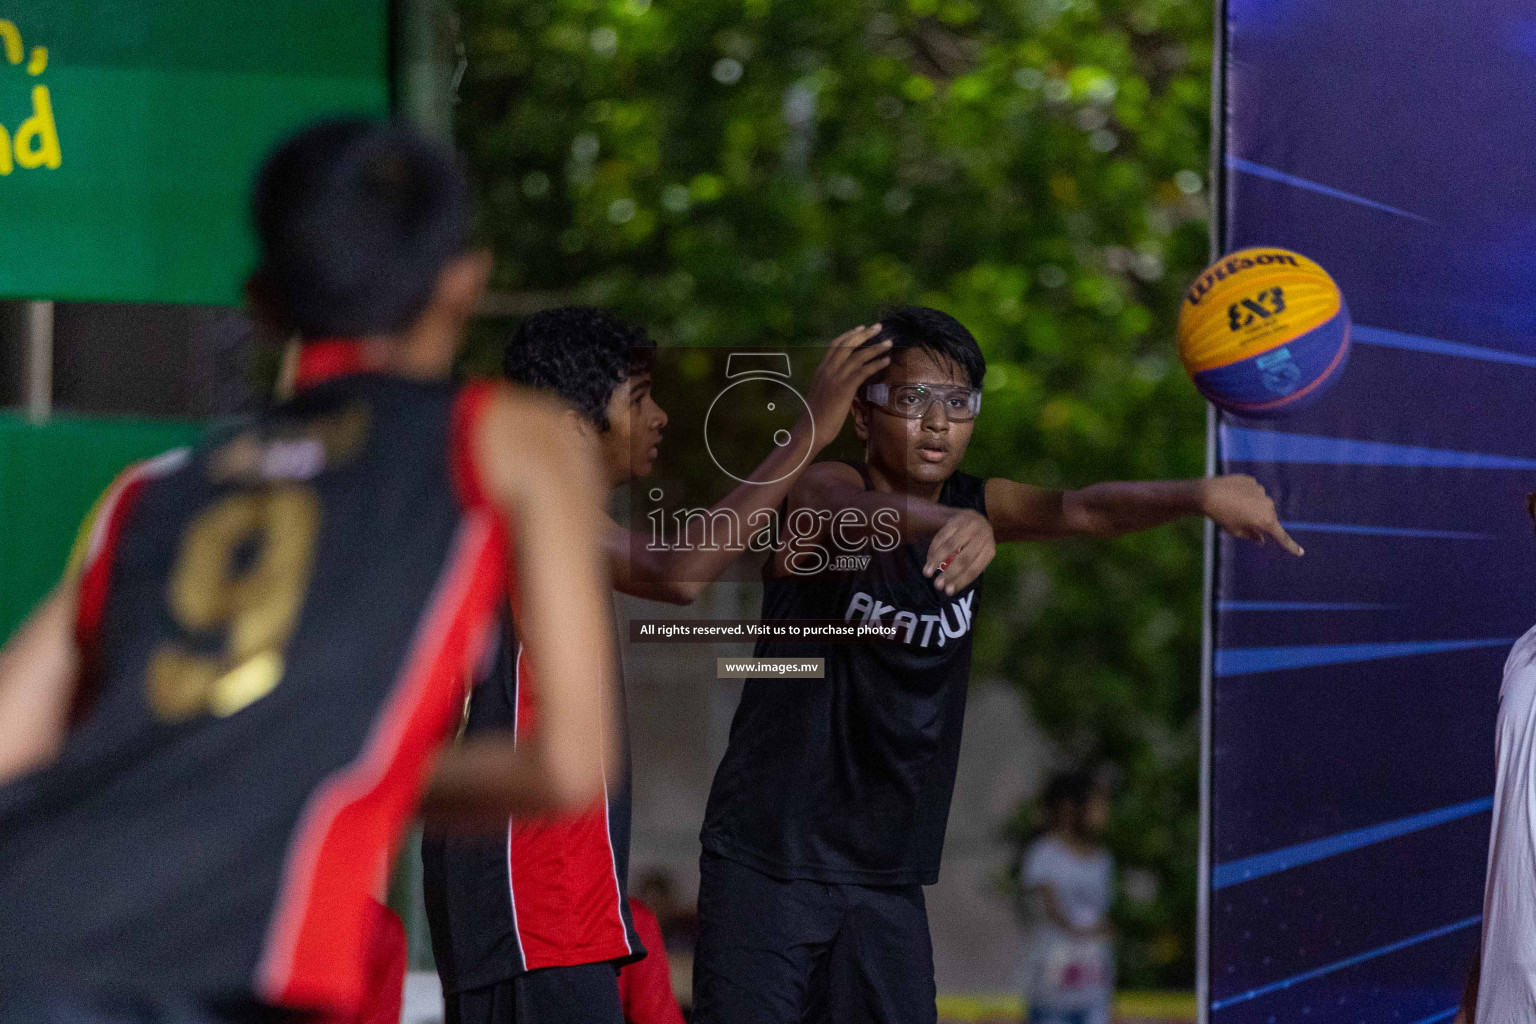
x=679 y=574
x=544 y=477
x=1237 y=504
x=39 y=673
x=40 y=665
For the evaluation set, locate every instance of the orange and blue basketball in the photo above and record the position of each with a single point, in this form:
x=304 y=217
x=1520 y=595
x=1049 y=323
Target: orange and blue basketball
x=1263 y=332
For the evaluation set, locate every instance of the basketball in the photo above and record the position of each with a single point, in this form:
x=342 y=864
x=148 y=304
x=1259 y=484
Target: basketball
x=1263 y=332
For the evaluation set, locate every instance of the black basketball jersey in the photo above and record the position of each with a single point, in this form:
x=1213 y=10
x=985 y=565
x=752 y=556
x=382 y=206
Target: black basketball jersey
x=849 y=778
x=276 y=627
x=545 y=891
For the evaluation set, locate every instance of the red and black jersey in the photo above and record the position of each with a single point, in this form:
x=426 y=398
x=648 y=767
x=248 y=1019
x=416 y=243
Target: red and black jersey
x=545 y=892
x=275 y=629
x=645 y=988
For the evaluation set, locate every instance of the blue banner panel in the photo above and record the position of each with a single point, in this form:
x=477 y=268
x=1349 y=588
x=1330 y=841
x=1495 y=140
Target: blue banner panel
x=1353 y=692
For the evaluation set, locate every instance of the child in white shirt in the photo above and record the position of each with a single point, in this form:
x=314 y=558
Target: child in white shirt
x=1067 y=876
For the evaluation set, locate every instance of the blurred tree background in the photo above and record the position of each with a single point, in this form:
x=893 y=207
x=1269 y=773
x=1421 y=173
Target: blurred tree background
x=767 y=171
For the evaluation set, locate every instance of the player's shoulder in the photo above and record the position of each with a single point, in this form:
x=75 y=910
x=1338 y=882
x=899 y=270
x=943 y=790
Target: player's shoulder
x=519 y=435
x=505 y=406
x=110 y=504
x=1523 y=654
x=137 y=475
x=1520 y=669
x=966 y=490
x=822 y=477
x=504 y=422
x=833 y=470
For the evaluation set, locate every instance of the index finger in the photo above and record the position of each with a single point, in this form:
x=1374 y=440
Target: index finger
x=941 y=549
x=1277 y=531
x=962 y=570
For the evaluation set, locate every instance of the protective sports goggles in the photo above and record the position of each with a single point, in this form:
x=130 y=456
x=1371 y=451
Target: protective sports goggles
x=912 y=401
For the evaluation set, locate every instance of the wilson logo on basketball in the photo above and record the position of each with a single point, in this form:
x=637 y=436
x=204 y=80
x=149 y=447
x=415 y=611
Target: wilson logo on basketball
x=1233 y=265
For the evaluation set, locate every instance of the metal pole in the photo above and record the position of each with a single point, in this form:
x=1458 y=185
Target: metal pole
x=38 y=364
x=429 y=61
x=1207 y=657
x=1217 y=194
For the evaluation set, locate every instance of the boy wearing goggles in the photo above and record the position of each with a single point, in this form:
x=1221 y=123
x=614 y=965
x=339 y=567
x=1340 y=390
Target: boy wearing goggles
x=828 y=811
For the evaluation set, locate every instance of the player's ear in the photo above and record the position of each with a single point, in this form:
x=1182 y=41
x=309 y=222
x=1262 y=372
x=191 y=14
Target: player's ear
x=860 y=410
x=582 y=426
x=604 y=443
x=585 y=434
x=461 y=284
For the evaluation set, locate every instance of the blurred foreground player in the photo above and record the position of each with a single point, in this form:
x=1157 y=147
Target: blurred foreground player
x=215 y=731
x=533 y=925
x=387 y=959
x=828 y=811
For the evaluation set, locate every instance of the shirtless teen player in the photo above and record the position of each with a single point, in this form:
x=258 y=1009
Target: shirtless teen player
x=214 y=732
x=532 y=925
x=828 y=811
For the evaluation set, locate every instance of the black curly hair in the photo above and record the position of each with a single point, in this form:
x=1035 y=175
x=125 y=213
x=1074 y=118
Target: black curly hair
x=581 y=354
x=937 y=332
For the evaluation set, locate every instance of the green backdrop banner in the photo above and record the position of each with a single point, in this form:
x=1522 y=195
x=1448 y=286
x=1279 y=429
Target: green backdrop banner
x=50 y=476
x=130 y=131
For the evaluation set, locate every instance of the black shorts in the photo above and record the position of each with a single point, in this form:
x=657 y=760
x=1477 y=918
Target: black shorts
x=773 y=951
x=586 y=994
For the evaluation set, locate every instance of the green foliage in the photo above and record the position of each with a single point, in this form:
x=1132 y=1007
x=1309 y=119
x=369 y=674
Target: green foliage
x=761 y=171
